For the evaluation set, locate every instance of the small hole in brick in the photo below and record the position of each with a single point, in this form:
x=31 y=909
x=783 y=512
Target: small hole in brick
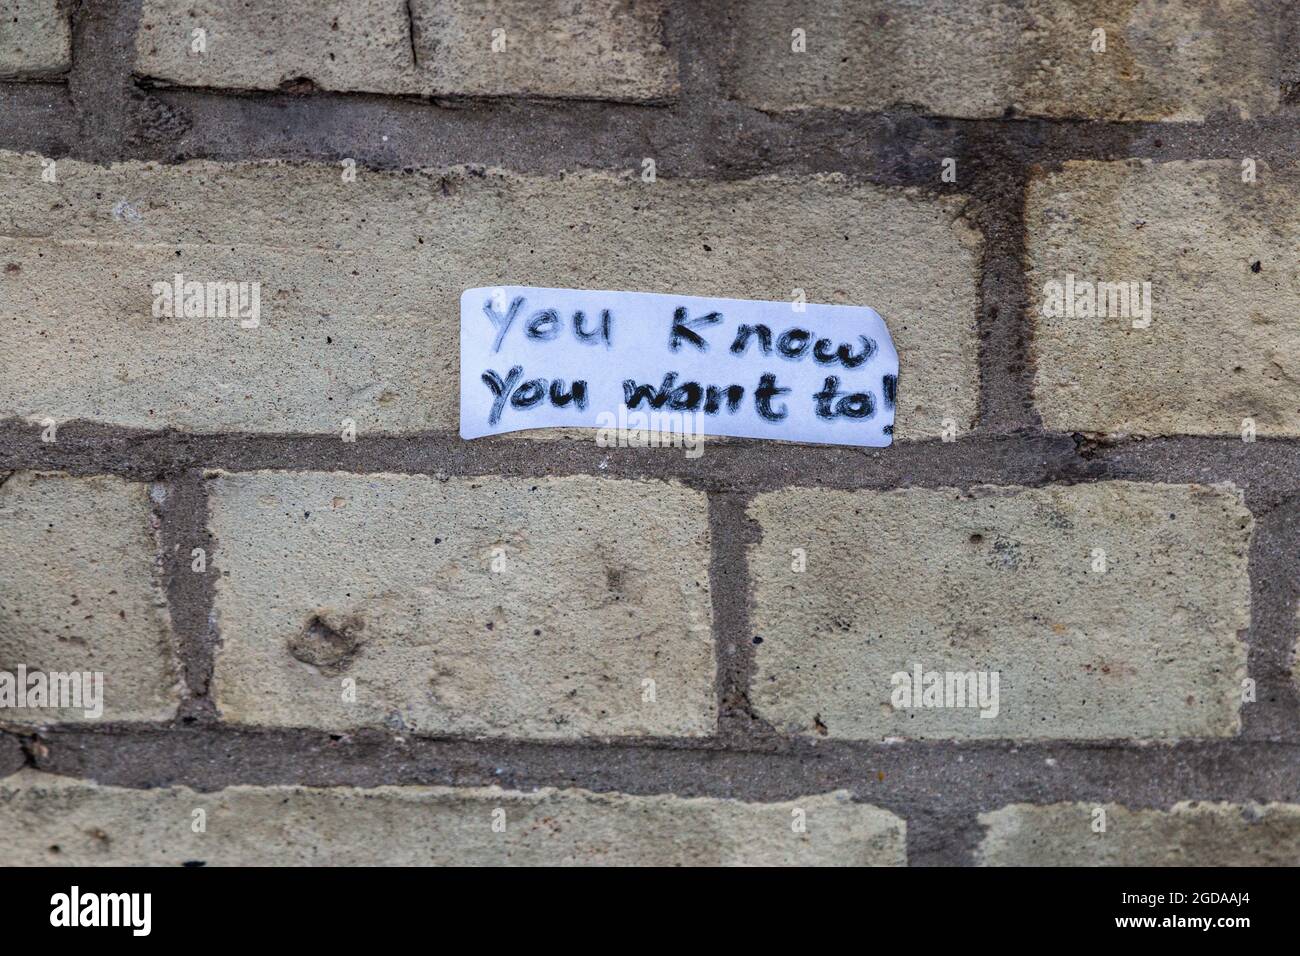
x=298 y=86
x=328 y=647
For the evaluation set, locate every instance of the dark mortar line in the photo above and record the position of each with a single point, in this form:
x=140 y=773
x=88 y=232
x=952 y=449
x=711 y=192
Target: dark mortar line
x=942 y=836
x=730 y=533
x=190 y=594
x=388 y=133
x=696 y=137
x=1003 y=324
x=99 y=83
x=1274 y=626
x=1268 y=469
x=728 y=465
x=1272 y=139
x=947 y=778
x=1289 y=38
x=37 y=120
x=692 y=30
x=543 y=136
x=15 y=753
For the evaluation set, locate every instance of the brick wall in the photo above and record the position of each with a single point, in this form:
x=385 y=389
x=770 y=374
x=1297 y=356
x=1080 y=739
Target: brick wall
x=679 y=660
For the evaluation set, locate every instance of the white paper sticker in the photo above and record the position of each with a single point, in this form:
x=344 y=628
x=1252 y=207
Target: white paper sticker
x=557 y=358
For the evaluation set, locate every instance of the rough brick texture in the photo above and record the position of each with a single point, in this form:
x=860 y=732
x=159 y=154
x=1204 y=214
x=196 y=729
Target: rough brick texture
x=1180 y=60
x=389 y=580
x=12 y=757
x=1002 y=579
x=79 y=592
x=1219 y=254
x=35 y=40
x=46 y=820
x=1069 y=504
x=1189 y=834
x=609 y=50
x=346 y=333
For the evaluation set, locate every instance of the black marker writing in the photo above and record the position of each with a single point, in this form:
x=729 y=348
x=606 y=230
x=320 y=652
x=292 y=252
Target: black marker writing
x=793 y=344
x=856 y=405
x=686 y=397
x=501 y=389
x=692 y=378
x=745 y=332
x=603 y=332
x=502 y=322
x=544 y=325
x=531 y=392
x=845 y=354
x=763 y=395
x=684 y=328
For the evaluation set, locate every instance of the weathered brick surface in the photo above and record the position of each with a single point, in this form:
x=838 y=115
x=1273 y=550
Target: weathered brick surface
x=609 y=50
x=12 y=757
x=1222 y=342
x=388 y=580
x=327 y=347
x=1001 y=580
x=79 y=592
x=440 y=616
x=1179 y=60
x=1189 y=834
x=93 y=825
x=35 y=41
x=361 y=281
